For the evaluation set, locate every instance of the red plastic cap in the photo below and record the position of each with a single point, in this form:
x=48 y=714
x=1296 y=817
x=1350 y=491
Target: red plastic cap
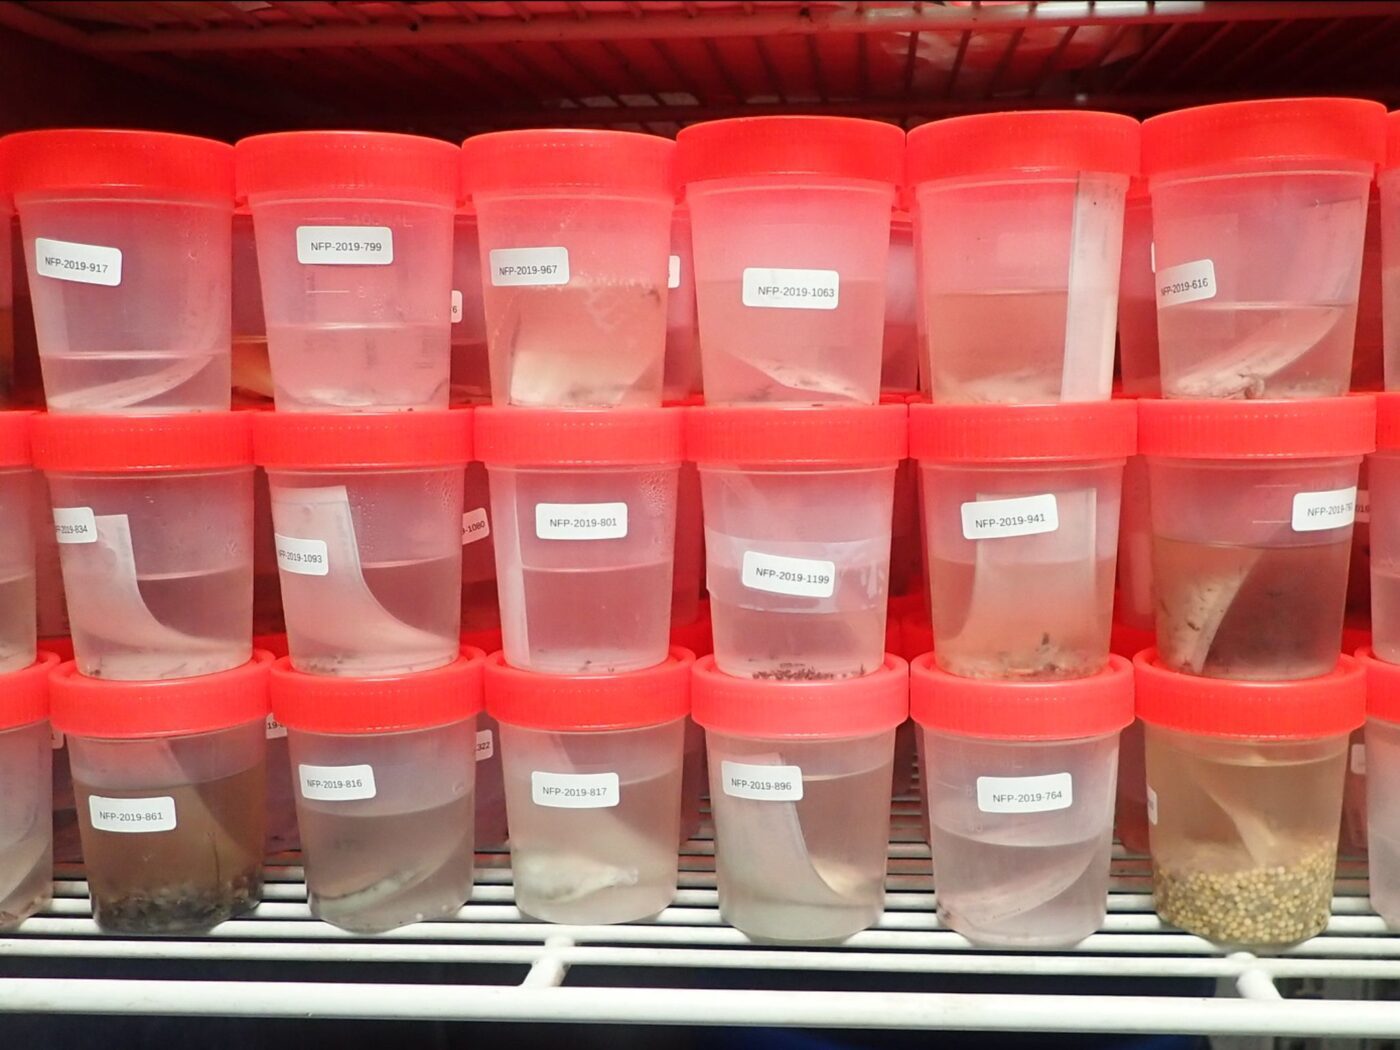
x=1382 y=686
x=1302 y=429
x=103 y=709
x=589 y=703
x=577 y=437
x=361 y=440
x=315 y=703
x=811 y=434
x=1075 y=431
x=82 y=444
x=517 y=163
x=24 y=695
x=839 y=709
x=1027 y=141
x=754 y=147
x=1387 y=422
x=15 y=430
x=118 y=164
x=1278 y=129
x=347 y=164
x=1307 y=709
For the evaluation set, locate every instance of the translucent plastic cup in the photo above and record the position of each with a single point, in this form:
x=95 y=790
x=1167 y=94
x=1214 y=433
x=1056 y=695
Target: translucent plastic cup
x=1244 y=795
x=18 y=517
x=384 y=770
x=354 y=233
x=126 y=236
x=584 y=512
x=1021 y=790
x=681 y=374
x=791 y=224
x=800 y=792
x=1021 y=512
x=575 y=237
x=798 y=504
x=154 y=522
x=1137 y=299
x=1252 y=509
x=491 y=827
x=1383 y=480
x=593 y=787
x=26 y=796
x=1020 y=220
x=480 y=606
x=1258 y=218
x=471 y=369
x=169 y=779
x=899 y=364
x=367 y=510
x=1379 y=768
x=252 y=375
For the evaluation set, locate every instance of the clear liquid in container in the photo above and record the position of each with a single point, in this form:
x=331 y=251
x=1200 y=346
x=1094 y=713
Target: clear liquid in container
x=368 y=367
x=17 y=622
x=149 y=383
x=26 y=872
x=998 y=346
x=798 y=646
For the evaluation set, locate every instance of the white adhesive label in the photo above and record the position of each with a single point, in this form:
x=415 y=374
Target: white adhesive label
x=580 y=521
x=1040 y=794
x=485 y=745
x=303 y=557
x=456 y=306
x=673 y=272
x=512 y=267
x=475 y=526
x=275 y=729
x=575 y=790
x=1151 y=806
x=991 y=519
x=132 y=815
x=1363 y=506
x=83 y=263
x=345 y=245
x=74 y=525
x=799 y=577
x=336 y=783
x=1318 y=511
x=1358 y=759
x=1186 y=283
x=762 y=783
x=778 y=289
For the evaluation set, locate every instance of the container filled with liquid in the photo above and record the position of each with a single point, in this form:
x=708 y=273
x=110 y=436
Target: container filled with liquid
x=1258 y=219
x=1389 y=183
x=593 y=787
x=584 y=516
x=367 y=510
x=354 y=241
x=1379 y=767
x=790 y=217
x=797 y=510
x=1383 y=480
x=1021 y=514
x=26 y=792
x=20 y=491
x=154 y=522
x=471 y=370
x=800 y=776
x=169 y=782
x=127 y=241
x=384 y=772
x=1244 y=798
x=1252 y=511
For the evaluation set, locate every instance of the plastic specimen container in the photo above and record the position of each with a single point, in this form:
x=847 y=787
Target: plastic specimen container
x=1389 y=182
x=367 y=510
x=354 y=232
x=480 y=605
x=471 y=371
x=1258 y=218
x=1379 y=766
x=1021 y=792
x=1020 y=219
x=791 y=224
x=1137 y=299
x=491 y=827
x=798 y=504
x=154 y=522
x=1244 y=796
x=19 y=495
x=800 y=777
x=7 y=279
x=575 y=237
x=252 y=376
x=584 y=511
x=384 y=770
x=681 y=372
x=899 y=364
x=127 y=241
x=169 y=782
x=26 y=792
x=1383 y=470
x=1021 y=511
x=1252 y=509
x=593 y=787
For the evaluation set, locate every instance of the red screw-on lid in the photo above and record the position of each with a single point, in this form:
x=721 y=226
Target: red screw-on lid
x=589 y=703
x=15 y=428
x=1026 y=141
x=1002 y=710
x=361 y=440
x=104 y=709
x=24 y=695
x=1305 y=709
x=836 y=709
x=1275 y=129
x=811 y=434
x=577 y=437
x=83 y=444
x=1382 y=686
x=118 y=163
x=1023 y=433
x=1301 y=429
x=315 y=703
x=1387 y=422
x=749 y=147
x=522 y=162
x=347 y=164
